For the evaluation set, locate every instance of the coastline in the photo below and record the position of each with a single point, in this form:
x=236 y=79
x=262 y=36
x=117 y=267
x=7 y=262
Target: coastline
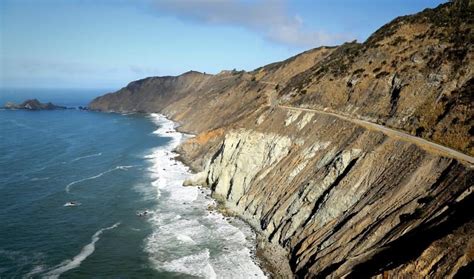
x=270 y=257
x=169 y=128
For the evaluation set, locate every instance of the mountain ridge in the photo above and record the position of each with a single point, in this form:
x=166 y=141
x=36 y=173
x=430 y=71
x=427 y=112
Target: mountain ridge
x=338 y=197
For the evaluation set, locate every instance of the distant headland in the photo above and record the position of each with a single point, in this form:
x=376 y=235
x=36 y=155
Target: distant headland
x=35 y=104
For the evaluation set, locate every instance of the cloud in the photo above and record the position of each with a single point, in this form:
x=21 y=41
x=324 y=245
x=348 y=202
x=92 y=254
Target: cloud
x=269 y=18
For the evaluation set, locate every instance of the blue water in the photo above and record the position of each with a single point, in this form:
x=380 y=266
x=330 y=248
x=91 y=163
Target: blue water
x=63 y=97
x=112 y=166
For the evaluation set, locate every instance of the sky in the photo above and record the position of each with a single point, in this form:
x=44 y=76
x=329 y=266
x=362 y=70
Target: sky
x=107 y=44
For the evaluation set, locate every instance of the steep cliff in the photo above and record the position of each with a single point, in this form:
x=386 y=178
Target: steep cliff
x=332 y=154
x=344 y=199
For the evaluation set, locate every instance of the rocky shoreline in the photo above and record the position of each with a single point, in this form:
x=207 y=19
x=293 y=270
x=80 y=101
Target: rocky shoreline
x=237 y=235
x=294 y=148
x=272 y=258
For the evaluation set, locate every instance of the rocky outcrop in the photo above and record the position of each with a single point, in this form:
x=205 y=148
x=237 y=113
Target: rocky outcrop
x=341 y=198
x=243 y=155
x=199 y=178
x=340 y=203
x=33 y=104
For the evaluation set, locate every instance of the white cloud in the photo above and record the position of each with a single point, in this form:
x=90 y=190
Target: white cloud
x=269 y=18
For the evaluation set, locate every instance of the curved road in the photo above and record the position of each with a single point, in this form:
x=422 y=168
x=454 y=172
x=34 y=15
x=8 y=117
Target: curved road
x=394 y=133
x=425 y=144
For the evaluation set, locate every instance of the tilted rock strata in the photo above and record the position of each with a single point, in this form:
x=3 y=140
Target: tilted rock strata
x=341 y=199
x=243 y=154
x=338 y=201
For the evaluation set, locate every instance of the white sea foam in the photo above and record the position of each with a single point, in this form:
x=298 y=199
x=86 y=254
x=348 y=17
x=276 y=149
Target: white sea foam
x=87 y=156
x=186 y=238
x=147 y=192
x=195 y=264
x=37 y=269
x=86 y=251
x=68 y=187
x=72 y=204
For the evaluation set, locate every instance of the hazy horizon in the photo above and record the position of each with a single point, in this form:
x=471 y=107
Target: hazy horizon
x=69 y=97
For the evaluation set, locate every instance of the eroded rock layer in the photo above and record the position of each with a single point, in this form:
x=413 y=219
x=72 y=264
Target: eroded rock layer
x=280 y=146
x=338 y=203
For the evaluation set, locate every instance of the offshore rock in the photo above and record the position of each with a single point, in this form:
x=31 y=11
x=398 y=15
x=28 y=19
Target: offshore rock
x=33 y=104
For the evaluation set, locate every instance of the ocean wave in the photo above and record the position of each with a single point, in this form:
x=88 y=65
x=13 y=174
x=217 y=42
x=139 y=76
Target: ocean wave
x=86 y=251
x=183 y=227
x=148 y=193
x=166 y=128
x=87 y=156
x=195 y=264
x=185 y=238
x=68 y=187
x=37 y=269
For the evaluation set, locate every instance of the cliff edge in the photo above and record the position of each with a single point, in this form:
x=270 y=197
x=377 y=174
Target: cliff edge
x=356 y=160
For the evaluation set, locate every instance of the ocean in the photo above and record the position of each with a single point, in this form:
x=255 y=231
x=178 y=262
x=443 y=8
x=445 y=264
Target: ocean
x=112 y=167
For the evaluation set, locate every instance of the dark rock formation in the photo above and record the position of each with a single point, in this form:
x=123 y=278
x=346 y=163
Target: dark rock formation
x=33 y=104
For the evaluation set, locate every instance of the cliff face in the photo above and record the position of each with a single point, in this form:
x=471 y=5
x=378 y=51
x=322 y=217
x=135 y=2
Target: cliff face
x=151 y=94
x=295 y=147
x=344 y=199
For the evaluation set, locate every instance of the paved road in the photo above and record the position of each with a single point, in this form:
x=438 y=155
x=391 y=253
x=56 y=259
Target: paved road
x=443 y=150
x=394 y=133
